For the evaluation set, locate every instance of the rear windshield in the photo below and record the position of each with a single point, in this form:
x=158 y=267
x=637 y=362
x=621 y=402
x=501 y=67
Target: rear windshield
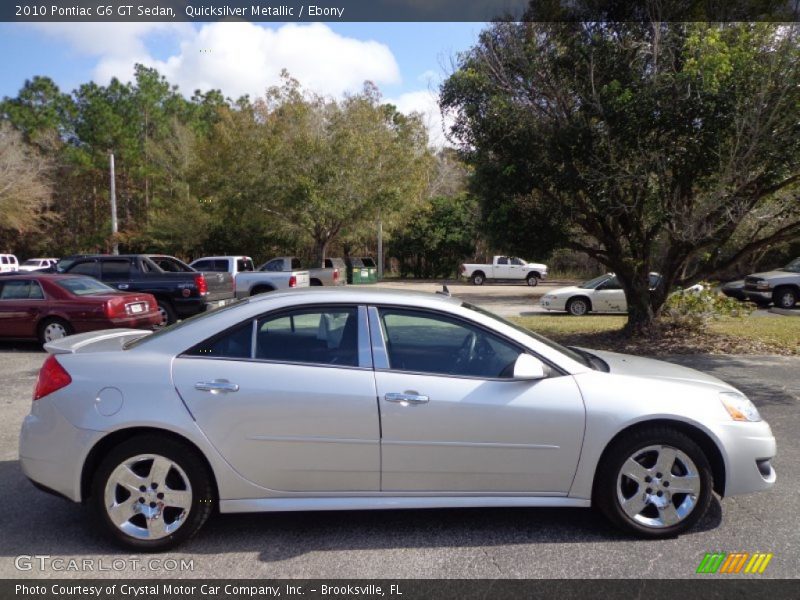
x=83 y=286
x=180 y=324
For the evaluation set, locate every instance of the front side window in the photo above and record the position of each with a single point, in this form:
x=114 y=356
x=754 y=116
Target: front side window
x=423 y=342
x=244 y=264
x=296 y=264
x=611 y=284
x=517 y=261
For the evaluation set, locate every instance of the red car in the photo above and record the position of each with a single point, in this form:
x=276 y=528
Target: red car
x=49 y=306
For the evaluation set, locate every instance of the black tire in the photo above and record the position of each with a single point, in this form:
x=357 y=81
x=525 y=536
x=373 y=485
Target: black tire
x=187 y=459
x=261 y=289
x=45 y=325
x=532 y=280
x=784 y=297
x=579 y=307
x=168 y=315
x=478 y=278
x=608 y=477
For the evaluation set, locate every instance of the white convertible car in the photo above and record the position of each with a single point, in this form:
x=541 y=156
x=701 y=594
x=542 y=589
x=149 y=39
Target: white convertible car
x=340 y=399
x=602 y=294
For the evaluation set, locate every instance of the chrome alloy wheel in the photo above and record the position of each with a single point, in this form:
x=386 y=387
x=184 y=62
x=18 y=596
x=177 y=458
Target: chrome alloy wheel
x=54 y=331
x=658 y=486
x=148 y=497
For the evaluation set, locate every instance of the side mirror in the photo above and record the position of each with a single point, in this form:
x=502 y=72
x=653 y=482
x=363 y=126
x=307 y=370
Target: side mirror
x=528 y=368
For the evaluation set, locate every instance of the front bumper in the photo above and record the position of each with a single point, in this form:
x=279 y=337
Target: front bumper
x=758 y=294
x=750 y=448
x=552 y=303
x=52 y=451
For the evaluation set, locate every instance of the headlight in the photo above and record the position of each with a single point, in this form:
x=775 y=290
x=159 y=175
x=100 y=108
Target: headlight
x=762 y=285
x=739 y=407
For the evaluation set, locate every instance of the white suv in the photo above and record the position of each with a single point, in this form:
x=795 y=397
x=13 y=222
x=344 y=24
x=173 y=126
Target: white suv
x=8 y=263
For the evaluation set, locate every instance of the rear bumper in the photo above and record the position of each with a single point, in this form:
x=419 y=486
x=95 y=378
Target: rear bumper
x=52 y=451
x=137 y=322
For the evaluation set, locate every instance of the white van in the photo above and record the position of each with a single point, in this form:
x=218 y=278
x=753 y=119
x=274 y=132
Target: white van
x=8 y=263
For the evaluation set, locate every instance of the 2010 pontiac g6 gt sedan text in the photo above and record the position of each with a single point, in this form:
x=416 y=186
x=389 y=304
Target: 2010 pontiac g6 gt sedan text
x=327 y=399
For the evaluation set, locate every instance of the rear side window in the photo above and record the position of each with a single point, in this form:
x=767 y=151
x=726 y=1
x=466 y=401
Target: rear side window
x=21 y=290
x=4 y=260
x=235 y=343
x=115 y=270
x=326 y=336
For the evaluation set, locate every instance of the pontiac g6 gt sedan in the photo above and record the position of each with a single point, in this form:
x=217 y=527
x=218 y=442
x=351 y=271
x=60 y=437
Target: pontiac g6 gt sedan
x=338 y=399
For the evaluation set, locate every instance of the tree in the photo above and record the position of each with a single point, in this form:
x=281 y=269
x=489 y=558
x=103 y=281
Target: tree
x=436 y=236
x=24 y=185
x=669 y=147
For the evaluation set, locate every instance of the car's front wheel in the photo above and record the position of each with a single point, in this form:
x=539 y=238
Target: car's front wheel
x=784 y=297
x=532 y=280
x=151 y=493
x=655 y=483
x=578 y=307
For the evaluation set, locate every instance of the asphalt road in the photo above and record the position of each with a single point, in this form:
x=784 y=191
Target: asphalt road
x=498 y=543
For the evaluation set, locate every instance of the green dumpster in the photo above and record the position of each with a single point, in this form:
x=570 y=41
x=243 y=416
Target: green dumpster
x=357 y=273
x=372 y=268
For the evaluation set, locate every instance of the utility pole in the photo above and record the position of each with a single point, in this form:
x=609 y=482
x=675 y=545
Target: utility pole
x=380 y=247
x=115 y=247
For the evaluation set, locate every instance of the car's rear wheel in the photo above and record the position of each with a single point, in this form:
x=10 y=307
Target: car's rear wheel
x=578 y=307
x=784 y=297
x=532 y=280
x=655 y=483
x=53 y=329
x=152 y=493
x=478 y=279
x=167 y=314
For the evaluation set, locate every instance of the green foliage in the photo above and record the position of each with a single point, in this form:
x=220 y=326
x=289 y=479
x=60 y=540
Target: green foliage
x=669 y=147
x=698 y=306
x=437 y=237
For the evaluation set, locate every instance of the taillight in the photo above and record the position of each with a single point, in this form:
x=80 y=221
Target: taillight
x=52 y=377
x=114 y=308
x=335 y=275
x=200 y=282
x=292 y=281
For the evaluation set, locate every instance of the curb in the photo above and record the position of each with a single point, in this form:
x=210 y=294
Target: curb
x=786 y=312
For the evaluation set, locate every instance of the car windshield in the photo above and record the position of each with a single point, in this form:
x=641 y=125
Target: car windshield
x=593 y=283
x=84 y=286
x=793 y=267
x=578 y=356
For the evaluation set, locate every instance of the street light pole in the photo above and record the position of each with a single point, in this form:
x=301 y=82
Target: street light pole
x=380 y=248
x=115 y=243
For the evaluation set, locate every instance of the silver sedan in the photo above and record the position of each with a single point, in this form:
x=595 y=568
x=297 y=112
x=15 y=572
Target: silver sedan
x=339 y=399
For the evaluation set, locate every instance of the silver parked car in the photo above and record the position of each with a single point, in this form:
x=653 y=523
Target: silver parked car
x=333 y=399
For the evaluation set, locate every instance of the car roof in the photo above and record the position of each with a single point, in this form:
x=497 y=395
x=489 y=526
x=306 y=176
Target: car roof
x=47 y=276
x=360 y=295
x=220 y=257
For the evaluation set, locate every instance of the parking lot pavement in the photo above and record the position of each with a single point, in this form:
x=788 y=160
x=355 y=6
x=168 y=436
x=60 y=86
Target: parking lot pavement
x=425 y=543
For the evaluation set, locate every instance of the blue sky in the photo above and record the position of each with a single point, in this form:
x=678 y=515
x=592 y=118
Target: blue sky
x=406 y=60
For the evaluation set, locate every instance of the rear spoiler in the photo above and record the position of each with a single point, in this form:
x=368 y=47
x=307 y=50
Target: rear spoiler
x=95 y=341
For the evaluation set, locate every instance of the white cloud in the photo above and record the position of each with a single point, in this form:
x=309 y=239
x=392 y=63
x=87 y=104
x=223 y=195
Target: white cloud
x=425 y=102
x=236 y=57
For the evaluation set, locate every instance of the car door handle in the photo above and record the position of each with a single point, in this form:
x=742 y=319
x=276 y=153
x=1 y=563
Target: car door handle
x=218 y=386
x=406 y=398
x=123 y=286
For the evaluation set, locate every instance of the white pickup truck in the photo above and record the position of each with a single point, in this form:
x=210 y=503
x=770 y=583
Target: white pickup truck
x=508 y=268
x=250 y=283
